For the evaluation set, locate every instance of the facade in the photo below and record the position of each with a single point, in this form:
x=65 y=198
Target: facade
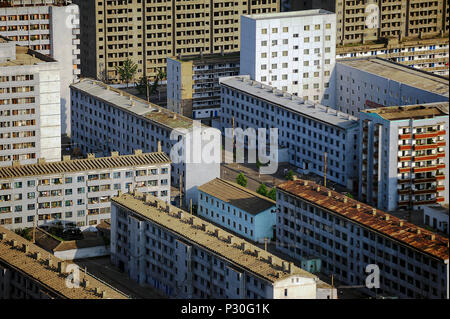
x=237 y=209
x=30 y=122
x=348 y=236
x=193 y=84
x=106 y=119
x=79 y=190
x=430 y=55
x=50 y=28
x=404 y=156
x=187 y=257
x=306 y=130
x=148 y=32
x=436 y=216
x=365 y=83
x=30 y=272
x=402 y=19
x=291 y=51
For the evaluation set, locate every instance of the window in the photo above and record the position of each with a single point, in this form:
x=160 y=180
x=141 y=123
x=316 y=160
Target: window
x=263 y=43
x=306 y=28
x=285 y=292
x=274 y=30
x=328 y=26
x=264 y=55
x=306 y=40
x=263 y=31
x=285 y=29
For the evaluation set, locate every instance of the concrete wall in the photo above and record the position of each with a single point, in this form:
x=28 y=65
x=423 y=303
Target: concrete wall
x=82 y=253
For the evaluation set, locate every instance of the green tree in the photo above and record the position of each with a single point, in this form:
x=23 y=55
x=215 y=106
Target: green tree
x=25 y=233
x=127 y=71
x=241 y=180
x=349 y=195
x=141 y=86
x=272 y=194
x=262 y=189
x=290 y=175
x=258 y=164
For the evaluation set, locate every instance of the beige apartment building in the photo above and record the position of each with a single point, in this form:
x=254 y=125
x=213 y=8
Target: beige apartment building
x=149 y=31
x=397 y=18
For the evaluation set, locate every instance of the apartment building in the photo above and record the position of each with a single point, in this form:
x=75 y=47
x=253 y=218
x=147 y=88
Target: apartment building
x=187 y=257
x=49 y=27
x=364 y=83
x=149 y=31
x=237 y=209
x=79 y=190
x=430 y=55
x=30 y=272
x=348 y=236
x=291 y=51
x=306 y=131
x=106 y=119
x=436 y=217
x=193 y=84
x=402 y=19
x=404 y=156
x=30 y=122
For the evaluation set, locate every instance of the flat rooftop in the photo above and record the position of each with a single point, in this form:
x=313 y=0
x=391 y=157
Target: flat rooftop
x=209 y=237
x=123 y=100
x=238 y=196
x=86 y=164
x=25 y=56
x=400 y=73
x=367 y=216
x=209 y=58
x=291 y=14
x=38 y=270
x=290 y=102
x=417 y=111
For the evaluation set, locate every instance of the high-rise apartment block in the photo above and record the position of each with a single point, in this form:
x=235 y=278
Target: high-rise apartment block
x=149 y=31
x=354 y=240
x=50 y=27
x=307 y=132
x=293 y=51
x=187 y=257
x=30 y=272
x=363 y=83
x=105 y=119
x=78 y=190
x=30 y=122
x=193 y=84
x=398 y=18
x=404 y=156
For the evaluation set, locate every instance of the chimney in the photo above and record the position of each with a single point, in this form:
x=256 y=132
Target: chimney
x=432 y=236
x=305 y=183
x=66 y=158
x=318 y=188
x=103 y=294
x=294 y=177
x=61 y=267
x=229 y=239
x=269 y=259
x=256 y=253
x=291 y=268
x=358 y=206
x=25 y=248
x=243 y=246
x=85 y=283
x=344 y=199
x=386 y=217
x=37 y=255
x=147 y=198
x=374 y=211
x=137 y=152
x=114 y=154
x=329 y=193
x=15 y=163
x=49 y=262
x=2 y=236
x=401 y=223
x=216 y=232
x=180 y=214
x=283 y=266
x=159 y=150
x=41 y=160
x=418 y=231
x=14 y=243
x=90 y=155
x=191 y=220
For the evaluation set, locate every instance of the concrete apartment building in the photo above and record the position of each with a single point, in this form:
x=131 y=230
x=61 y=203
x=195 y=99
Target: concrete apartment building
x=30 y=272
x=436 y=217
x=404 y=156
x=306 y=131
x=363 y=83
x=348 y=236
x=291 y=51
x=30 y=122
x=193 y=84
x=430 y=55
x=149 y=31
x=187 y=257
x=237 y=209
x=106 y=119
x=50 y=27
x=78 y=190
x=402 y=19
